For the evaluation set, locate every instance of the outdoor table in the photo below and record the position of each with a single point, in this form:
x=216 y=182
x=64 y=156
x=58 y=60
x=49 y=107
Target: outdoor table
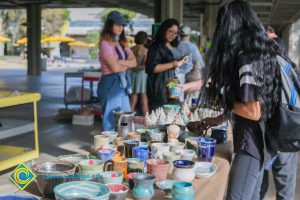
x=212 y=188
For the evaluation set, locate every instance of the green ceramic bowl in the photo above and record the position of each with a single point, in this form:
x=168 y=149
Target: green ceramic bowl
x=168 y=108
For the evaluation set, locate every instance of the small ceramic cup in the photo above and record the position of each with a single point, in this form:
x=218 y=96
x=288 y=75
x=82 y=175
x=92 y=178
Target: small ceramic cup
x=111 y=135
x=175 y=146
x=117 y=191
x=187 y=154
x=171 y=156
x=106 y=154
x=111 y=177
x=135 y=165
x=100 y=140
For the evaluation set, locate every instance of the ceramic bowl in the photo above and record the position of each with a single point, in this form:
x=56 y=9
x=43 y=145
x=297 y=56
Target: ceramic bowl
x=219 y=133
x=117 y=191
x=141 y=131
x=82 y=190
x=187 y=154
x=111 y=135
x=185 y=134
x=17 y=197
x=166 y=185
x=155 y=135
x=183 y=164
x=50 y=174
x=205 y=169
x=72 y=158
x=168 y=108
x=111 y=177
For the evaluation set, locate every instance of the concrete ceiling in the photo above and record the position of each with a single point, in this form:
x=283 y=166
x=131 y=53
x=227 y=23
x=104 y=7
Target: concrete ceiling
x=275 y=12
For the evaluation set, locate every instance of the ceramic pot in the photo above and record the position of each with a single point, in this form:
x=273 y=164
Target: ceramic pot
x=219 y=133
x=111 y=177
x=128 y=146
x=90 y=169
x=157 y=149
x=117 y=191
x=118 y=164
x=187 y=154
x=183 y=170
x=143 y=186
x=182 y=191
x=159 y=168
x=106 y=154
x=50 y=174
x=170 y=157
x=100 y=140
x=175 y=146
x=111 y=135
x=141 y=153
x=135 y=165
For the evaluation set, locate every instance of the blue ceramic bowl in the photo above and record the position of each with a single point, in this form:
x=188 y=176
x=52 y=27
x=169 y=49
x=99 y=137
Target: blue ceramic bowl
x=82 y=190
x=17 y=197
x=183 y=163
x=219 y=133
x=111 y=177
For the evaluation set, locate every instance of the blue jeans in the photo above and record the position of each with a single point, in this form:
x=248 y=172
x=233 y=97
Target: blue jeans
x=284 y=171
x=245 y=177
x=112 y=98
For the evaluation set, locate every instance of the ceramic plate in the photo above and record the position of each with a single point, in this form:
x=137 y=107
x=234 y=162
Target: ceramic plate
x=205 y=169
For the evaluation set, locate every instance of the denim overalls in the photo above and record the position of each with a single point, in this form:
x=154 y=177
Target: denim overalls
x=113 y=91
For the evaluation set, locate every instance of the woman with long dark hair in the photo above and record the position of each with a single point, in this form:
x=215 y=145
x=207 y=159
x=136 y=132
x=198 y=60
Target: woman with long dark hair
x=161 y=64
x=115 y=57
x=242 y=67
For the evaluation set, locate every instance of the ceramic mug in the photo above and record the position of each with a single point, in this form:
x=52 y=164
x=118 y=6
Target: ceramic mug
x=157 y=149
x=183 y=170
x=182 y=191
x=171 y=156
x=134 y=136
x=118 y=164
x=106 y=154
x=187 y=154
x=135 y=165
x=206 y=149
x=111 y=135
x=141 y=153
x=111 y=177
x=128 y=146
x=100 y=140
x=175 y=146
x=159 y=168
x=90 y=169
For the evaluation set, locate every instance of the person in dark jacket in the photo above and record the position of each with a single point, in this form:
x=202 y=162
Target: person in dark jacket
x=161 y=64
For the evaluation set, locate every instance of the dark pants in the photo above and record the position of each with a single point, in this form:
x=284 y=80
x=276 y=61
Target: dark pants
x=245 y=178
x=284 y=172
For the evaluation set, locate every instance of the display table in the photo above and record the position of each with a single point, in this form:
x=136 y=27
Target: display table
x=210 y=188
x=12 y=155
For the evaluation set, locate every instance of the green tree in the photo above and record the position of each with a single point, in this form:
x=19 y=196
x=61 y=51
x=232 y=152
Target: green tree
x=53 y=20
x=93 y=36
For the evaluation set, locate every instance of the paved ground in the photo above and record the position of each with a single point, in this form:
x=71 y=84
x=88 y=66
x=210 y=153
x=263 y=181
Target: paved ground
x=55 y=138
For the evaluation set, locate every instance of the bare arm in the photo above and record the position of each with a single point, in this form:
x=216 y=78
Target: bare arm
x=114 y=64
x=130 y=62
x=251 y=110
x=164 y=67
x=192 y=86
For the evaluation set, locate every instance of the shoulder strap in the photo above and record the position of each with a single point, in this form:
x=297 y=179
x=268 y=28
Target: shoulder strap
x=119 y=53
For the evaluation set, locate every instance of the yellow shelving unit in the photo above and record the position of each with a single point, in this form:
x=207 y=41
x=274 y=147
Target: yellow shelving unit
x=11 y=155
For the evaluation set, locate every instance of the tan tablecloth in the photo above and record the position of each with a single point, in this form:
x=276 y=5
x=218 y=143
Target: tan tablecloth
x=211 y=188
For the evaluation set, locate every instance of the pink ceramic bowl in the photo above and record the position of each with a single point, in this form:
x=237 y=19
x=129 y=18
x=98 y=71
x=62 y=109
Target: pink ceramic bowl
x=117 y=191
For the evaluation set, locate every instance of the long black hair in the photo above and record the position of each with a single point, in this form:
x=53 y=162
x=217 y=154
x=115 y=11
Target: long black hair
x=240 y=35
x=160 y=36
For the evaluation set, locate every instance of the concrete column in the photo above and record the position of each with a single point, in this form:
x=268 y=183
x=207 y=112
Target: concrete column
x=34 y=39
x=164 y=9
x=210 y=17
x=285 y=35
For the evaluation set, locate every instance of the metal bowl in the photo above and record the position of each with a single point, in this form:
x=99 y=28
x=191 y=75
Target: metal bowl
x=50 y=174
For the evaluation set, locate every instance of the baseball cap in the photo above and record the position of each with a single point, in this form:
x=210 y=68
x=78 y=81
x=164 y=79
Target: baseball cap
x=185 y=30
x=117 y=17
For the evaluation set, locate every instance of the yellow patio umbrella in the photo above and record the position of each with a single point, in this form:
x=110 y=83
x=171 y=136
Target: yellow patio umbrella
x=78 y=44
x=22 y=41
x=91 y=44
x=4 y=39
x=58 y=39
x=16 y=45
